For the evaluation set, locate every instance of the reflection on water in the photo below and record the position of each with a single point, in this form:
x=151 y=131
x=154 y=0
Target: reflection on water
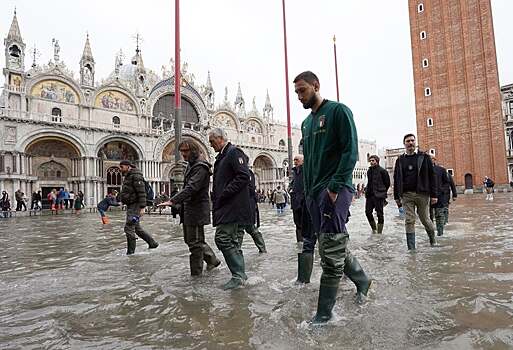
x=66 y=283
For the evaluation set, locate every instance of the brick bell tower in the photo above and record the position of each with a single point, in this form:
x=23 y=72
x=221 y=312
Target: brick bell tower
x=457 y=92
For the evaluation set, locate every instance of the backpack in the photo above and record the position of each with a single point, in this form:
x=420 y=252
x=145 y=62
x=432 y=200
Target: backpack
x=150 y=195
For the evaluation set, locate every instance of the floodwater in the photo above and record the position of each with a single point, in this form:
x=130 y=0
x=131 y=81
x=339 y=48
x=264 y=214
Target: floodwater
x=66 y=283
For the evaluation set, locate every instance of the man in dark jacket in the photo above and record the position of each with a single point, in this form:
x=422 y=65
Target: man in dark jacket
x=452 y=188
x=415 y=188
x=297 y=195
x=231 y=203
x=443 y=189
x=252 y=229
x=378 y=182
x=133 y=195
x=195 y=206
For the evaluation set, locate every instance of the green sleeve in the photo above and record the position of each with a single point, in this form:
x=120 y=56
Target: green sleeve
x=349 y=149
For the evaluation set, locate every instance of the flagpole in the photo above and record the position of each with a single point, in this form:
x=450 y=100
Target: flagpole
x=178 y=83
x=336 y=67
x=289 y=129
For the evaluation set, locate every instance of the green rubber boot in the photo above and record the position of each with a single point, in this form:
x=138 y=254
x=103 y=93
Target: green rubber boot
x=304 y=267
x=235 y=261
x=355 y=273
x=258 y=239
x=380 y=228
x=327 y=298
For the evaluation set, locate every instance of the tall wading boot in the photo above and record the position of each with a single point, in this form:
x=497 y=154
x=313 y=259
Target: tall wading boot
x=235 y=261
x=145 y=236
x=130 y=244
x=259 y=241
x=410 y=241
x=327 y=298
x=380 y=228
x=432 y=241
x=355 y=273
x=304 y=267
x=372 y=223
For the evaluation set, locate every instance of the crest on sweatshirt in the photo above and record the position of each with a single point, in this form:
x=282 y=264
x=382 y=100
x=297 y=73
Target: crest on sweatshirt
x=322 y=121
x=241 y=161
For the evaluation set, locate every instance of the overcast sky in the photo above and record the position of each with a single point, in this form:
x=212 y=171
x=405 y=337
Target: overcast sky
x=242 y=41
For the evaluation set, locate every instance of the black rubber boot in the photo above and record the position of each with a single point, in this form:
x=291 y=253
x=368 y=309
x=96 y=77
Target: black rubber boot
x=235 y=261
x=410 y=241
x=304 y=267
x=152 y=244
x=130 y=245
x=327 y=298
x=380 y=228
x=355 y=273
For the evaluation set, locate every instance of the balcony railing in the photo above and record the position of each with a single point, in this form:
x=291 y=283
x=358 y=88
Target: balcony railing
x=15 y=88
x=73 y=122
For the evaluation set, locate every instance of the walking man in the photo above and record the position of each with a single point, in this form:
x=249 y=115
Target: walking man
x=231 y=203
x=330 y=153
x=452 y=188
x=20 y=203
x=133 y=195
x=378 y=182
x=194 y=202
x=297 y=195
x=443 y=188
x=415 y=189
x=252 y=229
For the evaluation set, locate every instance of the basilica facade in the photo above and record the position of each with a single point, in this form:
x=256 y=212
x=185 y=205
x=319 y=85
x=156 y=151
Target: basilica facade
x=60 y=131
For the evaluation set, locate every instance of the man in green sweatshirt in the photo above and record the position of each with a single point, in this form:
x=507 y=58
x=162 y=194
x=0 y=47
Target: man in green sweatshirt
x=330 y=147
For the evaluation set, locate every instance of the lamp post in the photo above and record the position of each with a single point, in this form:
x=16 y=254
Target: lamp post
x=289 y=129
x=178 y=83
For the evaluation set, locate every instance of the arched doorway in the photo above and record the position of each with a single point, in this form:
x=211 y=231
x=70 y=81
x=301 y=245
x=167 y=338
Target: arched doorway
x=52 y=161
x=265 y=172
x=164 y=109
x=110 y=154
x=469 y=183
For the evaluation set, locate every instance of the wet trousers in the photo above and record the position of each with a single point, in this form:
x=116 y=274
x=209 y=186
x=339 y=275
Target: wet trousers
x=194 y=237
x=372 y=203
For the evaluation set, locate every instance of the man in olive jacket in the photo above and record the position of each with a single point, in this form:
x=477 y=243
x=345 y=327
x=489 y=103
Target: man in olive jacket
x=133 y=195
x=415 y=189
x=378 y=182
x=195 y=206
x=231 y=204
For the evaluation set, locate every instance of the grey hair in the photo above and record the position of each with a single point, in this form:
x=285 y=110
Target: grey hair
x=218 y=132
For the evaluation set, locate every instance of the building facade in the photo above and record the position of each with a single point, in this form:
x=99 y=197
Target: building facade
x=58 y=131
x=507 y=106
x=457 y=94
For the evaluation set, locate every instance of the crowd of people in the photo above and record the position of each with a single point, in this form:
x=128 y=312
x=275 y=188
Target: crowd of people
x=320 y=195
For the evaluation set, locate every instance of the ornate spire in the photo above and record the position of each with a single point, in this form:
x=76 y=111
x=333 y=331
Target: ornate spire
x=209 y=83
x=87 y=54
x=14 y=32
x=239 y=99
x=208 y=92
x=268 y=109
x=87 y=65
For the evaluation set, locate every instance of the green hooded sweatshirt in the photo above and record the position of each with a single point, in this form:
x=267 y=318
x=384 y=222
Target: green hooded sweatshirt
x=330 y=147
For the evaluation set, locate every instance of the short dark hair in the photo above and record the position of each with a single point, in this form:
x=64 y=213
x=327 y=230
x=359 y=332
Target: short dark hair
x=375 y=157
x=408 y=135
x=307 y=76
